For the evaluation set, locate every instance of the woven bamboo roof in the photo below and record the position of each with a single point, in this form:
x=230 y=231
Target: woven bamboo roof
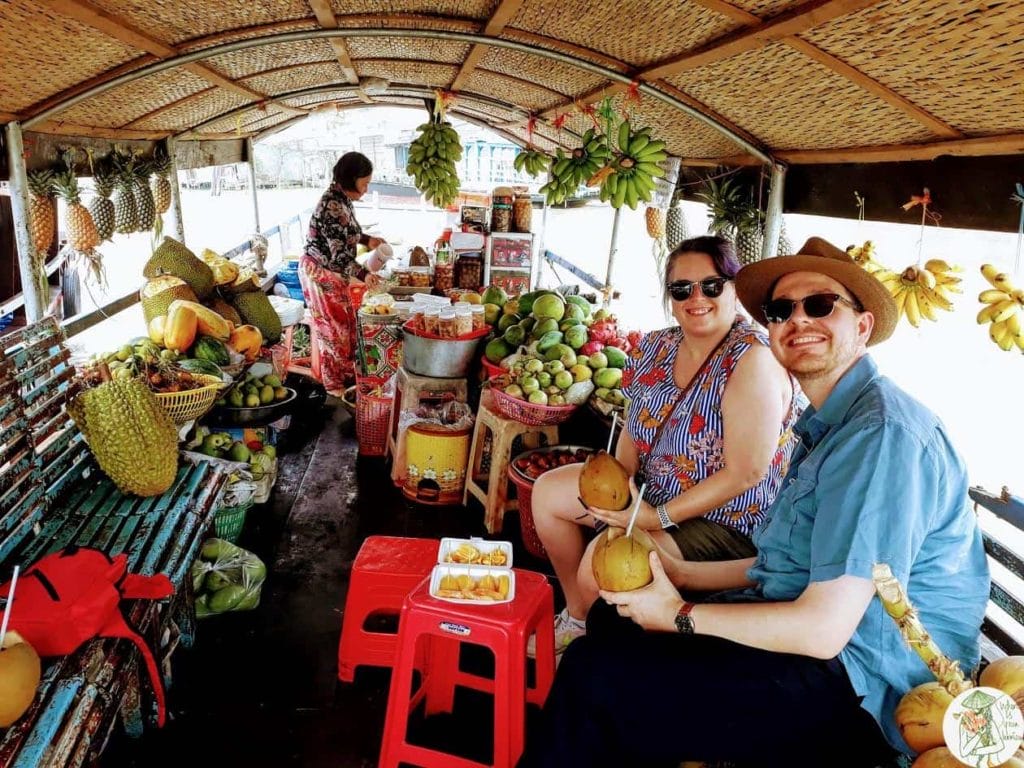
x=799 y=81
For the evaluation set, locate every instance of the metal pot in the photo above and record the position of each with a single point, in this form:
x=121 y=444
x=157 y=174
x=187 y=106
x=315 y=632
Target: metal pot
x=438 y=358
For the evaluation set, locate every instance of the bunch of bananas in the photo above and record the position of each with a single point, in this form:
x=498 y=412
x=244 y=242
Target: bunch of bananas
x=1004 y=309
x=865 y=256
x=921 y=291
x=635 y=168
x=432 y=158
x=532 y=161
x=569 y=171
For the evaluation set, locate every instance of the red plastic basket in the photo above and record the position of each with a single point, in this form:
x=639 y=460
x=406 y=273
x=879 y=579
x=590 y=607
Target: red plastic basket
x=373 y=416
x=530 y=413
x=490 y=369
x=528 y=531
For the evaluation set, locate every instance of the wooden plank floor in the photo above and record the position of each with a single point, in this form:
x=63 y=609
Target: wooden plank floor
x=260 y=688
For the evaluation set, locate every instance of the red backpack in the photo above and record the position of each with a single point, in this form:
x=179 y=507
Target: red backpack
x=73 y=595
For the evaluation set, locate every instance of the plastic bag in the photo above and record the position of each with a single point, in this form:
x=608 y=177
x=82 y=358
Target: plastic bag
x=225 y=578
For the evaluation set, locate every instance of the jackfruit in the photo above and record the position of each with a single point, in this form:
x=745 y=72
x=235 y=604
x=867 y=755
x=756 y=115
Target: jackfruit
x=256 y=309
x=173 y=258
x=158 y=293
x=132 y=437
x=225 y=310
x=246 y=282
x=224 y=271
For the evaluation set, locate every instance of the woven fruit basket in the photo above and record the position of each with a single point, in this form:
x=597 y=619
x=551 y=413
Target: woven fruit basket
x=526 y=412
x=191 y=403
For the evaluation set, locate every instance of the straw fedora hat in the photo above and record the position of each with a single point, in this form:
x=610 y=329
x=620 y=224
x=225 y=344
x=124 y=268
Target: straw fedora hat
x=755 y=282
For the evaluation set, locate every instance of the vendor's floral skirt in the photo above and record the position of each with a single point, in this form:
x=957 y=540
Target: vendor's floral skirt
x=334 y=321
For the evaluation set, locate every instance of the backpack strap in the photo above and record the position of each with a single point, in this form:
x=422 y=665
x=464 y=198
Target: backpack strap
x=117 y=626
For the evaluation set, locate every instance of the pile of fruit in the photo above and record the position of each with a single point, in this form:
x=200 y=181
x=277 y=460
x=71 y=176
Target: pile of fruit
x=536 y=463
x=467 y=553
x=432 y=158
x=568 y=172
x=463 y=586
x=634 y=169
x=162 y=370
x=226 y=578
x=254 y=391
x=1004 y=310
x=259 y=456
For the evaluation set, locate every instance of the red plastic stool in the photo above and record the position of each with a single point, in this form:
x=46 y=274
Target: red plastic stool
x=504 y=628
x=386 y=569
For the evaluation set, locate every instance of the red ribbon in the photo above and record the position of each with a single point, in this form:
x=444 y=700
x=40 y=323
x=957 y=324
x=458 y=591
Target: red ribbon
x=589 y=111
x=632 y=95
x=530 y=125
x=924 y=200
x=559 y=121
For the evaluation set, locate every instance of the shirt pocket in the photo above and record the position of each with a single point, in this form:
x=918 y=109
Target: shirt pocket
x=795 y=516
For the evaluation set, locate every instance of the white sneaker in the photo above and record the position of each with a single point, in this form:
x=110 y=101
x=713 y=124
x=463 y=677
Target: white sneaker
x=567 y=629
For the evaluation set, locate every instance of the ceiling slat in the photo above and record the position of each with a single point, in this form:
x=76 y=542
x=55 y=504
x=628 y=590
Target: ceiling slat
x=325 y=18
x=503 y=14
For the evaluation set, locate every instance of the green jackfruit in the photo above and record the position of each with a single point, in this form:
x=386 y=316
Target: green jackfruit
x=225 y=310
x=173 y=258
x=158 y=293
x=256 y=309
x=130 y=434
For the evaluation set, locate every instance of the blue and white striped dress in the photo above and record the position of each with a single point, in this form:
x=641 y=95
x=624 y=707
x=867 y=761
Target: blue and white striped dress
x=689 y=448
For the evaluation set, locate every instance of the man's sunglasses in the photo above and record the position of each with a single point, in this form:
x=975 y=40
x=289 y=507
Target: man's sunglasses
x=816 y=305
x=712 y=287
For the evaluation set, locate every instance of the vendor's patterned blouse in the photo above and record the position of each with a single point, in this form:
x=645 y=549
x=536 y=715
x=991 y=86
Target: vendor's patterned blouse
x=689 y=447
x=334 y=234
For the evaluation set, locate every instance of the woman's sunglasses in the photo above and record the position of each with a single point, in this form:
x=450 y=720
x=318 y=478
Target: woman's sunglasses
x=712 y=287
x=817 y=305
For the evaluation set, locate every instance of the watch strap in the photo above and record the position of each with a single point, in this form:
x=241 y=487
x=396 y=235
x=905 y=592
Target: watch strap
x=684 y=622
x=663 y=518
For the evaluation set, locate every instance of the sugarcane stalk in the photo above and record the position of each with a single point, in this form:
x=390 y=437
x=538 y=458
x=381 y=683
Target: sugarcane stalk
x=897 y=605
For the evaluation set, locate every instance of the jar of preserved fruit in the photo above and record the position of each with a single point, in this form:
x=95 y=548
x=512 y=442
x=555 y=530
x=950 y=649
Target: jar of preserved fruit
x=522 y=212
x=463 y=321
x=431 y=321
x=444 y=277
x=469 y=271
x=447 y=324
x=478 y=315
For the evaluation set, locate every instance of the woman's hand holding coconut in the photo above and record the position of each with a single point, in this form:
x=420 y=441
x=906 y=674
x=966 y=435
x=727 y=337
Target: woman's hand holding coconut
x=646 y=519
x=653 y=607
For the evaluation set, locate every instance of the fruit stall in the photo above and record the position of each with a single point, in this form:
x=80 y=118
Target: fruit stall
x=278 y=511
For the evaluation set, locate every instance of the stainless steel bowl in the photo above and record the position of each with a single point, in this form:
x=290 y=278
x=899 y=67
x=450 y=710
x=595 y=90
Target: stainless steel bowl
x=438 y=358
x=262 y=414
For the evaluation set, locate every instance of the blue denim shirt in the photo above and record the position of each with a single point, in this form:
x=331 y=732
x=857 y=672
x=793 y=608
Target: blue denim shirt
x=875 y=480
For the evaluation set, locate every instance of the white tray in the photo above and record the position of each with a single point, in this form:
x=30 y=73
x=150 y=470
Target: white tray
x=475 y=572
x=450 y=545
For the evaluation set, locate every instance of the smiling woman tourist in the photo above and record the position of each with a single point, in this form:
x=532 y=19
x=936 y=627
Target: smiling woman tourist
x=708 y=430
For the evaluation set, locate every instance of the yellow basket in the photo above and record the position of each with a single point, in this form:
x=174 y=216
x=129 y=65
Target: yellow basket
x=192 y=403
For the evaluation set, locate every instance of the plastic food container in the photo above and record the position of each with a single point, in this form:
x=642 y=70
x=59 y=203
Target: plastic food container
x=472 y=588
x=475 y=552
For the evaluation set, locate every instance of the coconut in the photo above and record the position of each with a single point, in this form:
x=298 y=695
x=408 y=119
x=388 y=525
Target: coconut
x=919 y=716
x=620 y=562
x=604 y=483
x=19 y=677
x=1006 y=674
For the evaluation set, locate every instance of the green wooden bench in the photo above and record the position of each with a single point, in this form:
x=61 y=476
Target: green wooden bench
x=52 y=495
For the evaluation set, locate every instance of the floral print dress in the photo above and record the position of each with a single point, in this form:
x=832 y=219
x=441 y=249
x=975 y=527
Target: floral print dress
x=326 y=267
x=690 y=446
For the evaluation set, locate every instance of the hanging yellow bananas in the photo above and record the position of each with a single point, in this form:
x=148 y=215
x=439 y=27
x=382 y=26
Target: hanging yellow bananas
x=1004 y=310
x=532 y=161
x=634 y=169
x=432 y=158
x=919 y=292
x=568 y=172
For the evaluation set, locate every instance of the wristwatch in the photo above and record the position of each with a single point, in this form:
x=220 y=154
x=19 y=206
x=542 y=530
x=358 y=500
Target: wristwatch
x=684 y=624
x=664 y=519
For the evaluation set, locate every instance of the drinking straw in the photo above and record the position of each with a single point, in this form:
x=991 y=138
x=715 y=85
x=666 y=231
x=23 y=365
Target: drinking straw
x=611 y=436
x=7 y=608
x=636 y=509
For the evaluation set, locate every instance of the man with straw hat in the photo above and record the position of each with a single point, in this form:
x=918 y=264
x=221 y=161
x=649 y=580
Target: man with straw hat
x=797 y=663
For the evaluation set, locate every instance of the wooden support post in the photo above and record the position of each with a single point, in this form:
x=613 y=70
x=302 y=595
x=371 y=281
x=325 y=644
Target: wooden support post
x=612 y=250
x=31 y=266
x=250 y=163
x=179 y=225
x=773 y=219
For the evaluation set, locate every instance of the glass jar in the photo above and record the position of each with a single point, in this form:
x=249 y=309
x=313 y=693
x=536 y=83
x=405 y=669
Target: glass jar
x=419 y=277
x=447 y=325
x=501 y=209
x=469 y=272
x=478 y=315
x=522 y=213
x=444 y=277
x=463 y=321
x=416 y=316
x=431 y=321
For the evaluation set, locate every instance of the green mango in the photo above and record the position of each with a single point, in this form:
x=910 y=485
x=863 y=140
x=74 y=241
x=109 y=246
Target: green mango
x=580 y=302
x=548 y=340
x=227 y=599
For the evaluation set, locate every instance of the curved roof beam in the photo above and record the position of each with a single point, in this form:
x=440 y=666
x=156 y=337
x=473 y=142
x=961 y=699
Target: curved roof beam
x=757 y=151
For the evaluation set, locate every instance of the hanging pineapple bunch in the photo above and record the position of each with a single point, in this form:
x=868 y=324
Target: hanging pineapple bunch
x=81 y=230
x=126 y=214
x=42 y=211
x=144 y=204
x=160 y=183
x=654 y=217
x=733 y=213
x=101 y=207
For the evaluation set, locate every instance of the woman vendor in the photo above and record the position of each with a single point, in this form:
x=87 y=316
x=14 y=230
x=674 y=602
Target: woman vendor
x=708 y=430
x=328 y=270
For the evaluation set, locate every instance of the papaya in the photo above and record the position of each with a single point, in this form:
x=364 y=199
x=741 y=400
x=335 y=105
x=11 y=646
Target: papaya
x=209 y=322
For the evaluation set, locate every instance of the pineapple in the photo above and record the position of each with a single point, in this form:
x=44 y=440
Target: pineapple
x=126 y=215
x=655 y=218
x=676 y=230
x=160 y=184
x=101 y=208
x=42 y=212
x=82 y=234
x=144 y=203
x=732 y=213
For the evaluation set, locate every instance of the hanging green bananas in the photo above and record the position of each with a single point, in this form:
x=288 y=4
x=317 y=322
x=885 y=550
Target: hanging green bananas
x=634 y=169
x=432 y=158
x=569 y=171
x=532 y=161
